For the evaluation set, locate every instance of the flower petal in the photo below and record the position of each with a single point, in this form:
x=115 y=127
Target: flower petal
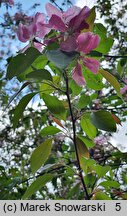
x=41 y=29
x=51 y=10
x=69 y=45
x=91 y=64
x=77 y=75
x=87 y=42
x=23 y=33
x=56 y=23
x=77 y=20
x=71 y=13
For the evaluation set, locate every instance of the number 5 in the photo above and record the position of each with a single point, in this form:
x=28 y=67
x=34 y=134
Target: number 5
x=118 y=206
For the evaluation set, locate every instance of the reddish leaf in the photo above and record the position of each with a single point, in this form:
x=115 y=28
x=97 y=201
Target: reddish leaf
x=116 y=119
x=57 y=122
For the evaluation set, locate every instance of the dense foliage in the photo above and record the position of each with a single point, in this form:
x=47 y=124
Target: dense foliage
x=63 y=97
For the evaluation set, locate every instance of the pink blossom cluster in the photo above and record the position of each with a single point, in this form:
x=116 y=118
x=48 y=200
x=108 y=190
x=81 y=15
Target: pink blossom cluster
x=11 y=2
x=124 y=91
x=21 y=17
x=69 y=26
x=100 y=140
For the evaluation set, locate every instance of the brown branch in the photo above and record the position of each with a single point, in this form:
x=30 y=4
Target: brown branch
x=87 y=197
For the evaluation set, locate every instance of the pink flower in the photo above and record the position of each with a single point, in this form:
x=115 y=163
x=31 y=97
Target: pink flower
x=70 y=21
x=37 y=28
x=77 y=75
x=86 y=42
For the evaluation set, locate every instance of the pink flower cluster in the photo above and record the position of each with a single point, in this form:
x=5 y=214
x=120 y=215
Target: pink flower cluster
x=69 y=26
x=124 y=92
x=100 y=140
x=11 y=2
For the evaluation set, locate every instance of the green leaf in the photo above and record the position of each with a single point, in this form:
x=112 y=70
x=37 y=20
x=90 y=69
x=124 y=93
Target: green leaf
x=89 y=143
x=101 y=170
x=50 y=130
x=37 y=185
x=59 y=58
x=90 y=180
x=40 y=74
x=87 y=164
x=110 y=184
x=112 y=80
x=103 y=120
x=39 y=63
x=75 y=88
x=82 y=150
x=93 y=81
x=99 y=195
x=84 y=100
x=16 y=94
x=100 y=29
x=122 y=67
x=55 y=106
x=40 y=155
x=18 y=112
x=92 y=165
x=105 y=45
x=88 y=127
x=21 y=62
x=46 y=88
x=74 y=191
x=105 y=42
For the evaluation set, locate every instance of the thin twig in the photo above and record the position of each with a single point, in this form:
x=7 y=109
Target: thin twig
x=87 y=197
x=112 y=56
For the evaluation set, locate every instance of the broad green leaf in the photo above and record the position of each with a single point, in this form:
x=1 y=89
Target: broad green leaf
x=103 y=120
x=88 y=127
x=90 y=180
x=59 y=58
x=82 y=150
x=99 y=195
x=37 y=185
x=122 y=66
x=88 y=142
x=110 y=184
x=87 y=164
x=50 y=130
x=40 y=74
x=55 y=106
x=16 y=94
x=75 y=88
x=112 y=80
x=84 y=100
x=99 y=28
x=105 y=42
x=47 y=87
x=105 y=45
x=21 y=62
x=90 y=165
x=18 y=112
x=40 y=155
x=93 y=81
x=39 y=63
x=101 y=170
x=74 y=191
